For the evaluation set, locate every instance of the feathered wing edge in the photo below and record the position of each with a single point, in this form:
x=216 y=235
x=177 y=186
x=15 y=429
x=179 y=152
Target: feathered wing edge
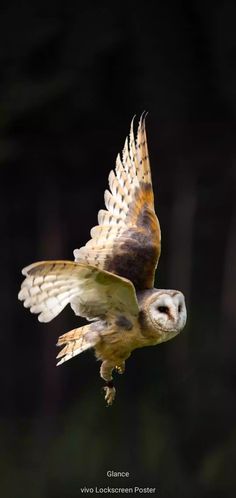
x=130 y=192
x=50 y=285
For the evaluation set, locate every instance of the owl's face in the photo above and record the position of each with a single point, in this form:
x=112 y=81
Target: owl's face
x=166 y=313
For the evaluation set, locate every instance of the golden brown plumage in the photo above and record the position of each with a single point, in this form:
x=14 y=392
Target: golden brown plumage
x=129 y=230
x=111 y=281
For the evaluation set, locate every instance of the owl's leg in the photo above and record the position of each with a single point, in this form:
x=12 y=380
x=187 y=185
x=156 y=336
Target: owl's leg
x=106 y=374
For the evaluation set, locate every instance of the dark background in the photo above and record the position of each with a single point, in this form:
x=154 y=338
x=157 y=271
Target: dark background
x=72 y=76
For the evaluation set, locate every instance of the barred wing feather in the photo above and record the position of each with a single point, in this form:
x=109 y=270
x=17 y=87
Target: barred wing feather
x=127 y=239
x=50 y=285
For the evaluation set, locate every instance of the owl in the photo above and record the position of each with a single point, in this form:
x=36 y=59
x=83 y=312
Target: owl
x=111 y=280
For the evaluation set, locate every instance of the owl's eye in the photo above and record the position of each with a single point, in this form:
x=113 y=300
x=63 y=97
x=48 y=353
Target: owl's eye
x=163 y=309
x=179 y=308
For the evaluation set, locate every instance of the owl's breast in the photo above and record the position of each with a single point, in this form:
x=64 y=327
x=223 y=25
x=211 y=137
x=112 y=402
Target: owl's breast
x=120 y=336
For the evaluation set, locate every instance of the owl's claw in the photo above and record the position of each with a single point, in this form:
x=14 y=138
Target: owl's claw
x=120 y=368
x=110 y=393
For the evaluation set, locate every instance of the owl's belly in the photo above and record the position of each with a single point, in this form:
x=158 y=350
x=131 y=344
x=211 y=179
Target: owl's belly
x=115 y=345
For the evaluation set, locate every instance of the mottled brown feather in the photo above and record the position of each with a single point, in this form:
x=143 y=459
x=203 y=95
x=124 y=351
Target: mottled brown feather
x=127 y=240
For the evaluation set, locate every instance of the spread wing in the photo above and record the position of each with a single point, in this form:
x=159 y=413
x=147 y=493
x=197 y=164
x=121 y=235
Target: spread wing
x=50 y=285
x=127 y=240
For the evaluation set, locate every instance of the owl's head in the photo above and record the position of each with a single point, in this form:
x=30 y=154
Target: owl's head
x=165 y=313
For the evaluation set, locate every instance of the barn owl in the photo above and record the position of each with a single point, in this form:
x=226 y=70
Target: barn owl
x=111 y=280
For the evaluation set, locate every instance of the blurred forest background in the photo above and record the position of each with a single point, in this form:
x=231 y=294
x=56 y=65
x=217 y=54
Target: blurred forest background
x=72 y=76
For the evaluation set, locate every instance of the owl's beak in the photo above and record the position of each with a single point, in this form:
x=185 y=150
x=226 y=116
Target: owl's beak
x=172 y=315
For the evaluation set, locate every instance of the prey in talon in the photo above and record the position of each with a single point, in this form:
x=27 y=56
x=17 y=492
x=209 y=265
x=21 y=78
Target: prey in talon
x=111 y=280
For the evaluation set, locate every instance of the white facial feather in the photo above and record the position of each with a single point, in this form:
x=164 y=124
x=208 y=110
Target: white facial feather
x=167 y=312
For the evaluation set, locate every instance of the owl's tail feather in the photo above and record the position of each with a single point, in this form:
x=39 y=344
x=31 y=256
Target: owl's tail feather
x=75 y=342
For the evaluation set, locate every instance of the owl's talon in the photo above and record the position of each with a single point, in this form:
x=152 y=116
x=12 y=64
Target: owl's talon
x=110 y=393
x=120 y=369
